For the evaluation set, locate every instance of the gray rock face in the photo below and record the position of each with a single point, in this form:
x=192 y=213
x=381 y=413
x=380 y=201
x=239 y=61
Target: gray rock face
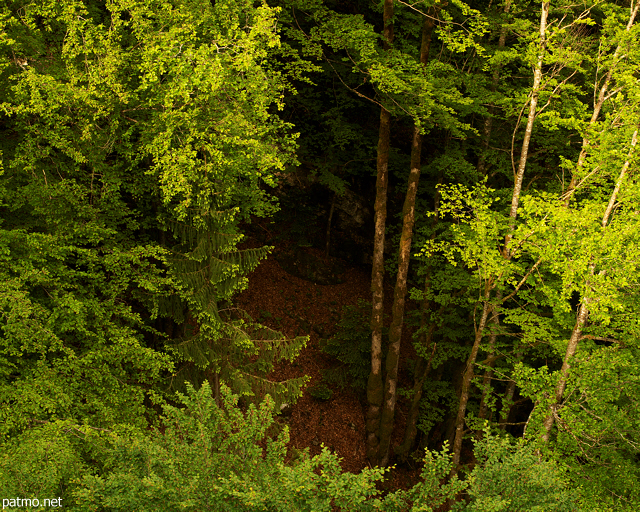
x=306 y=205
x=352 y=228
x=353 y=209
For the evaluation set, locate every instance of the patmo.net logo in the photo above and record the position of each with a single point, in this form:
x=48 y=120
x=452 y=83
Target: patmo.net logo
x=18 y=503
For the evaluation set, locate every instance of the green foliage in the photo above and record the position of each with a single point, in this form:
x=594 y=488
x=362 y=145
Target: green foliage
x=215 y=458
x=42 y=462
x=434 y=490
x=136 y=136
x=189 y=461
x=505 y=477
x=579 y=252
x=209 y=270
x=321 y=392
x=202 y=456
x=511 y=476
x=71 y=346
x=429 y=94
x=439 y=399
x=351 y=346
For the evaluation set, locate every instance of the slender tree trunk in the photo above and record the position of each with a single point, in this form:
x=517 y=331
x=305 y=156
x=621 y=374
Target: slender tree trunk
x=375 y=383
x=423 y=366
x=395 y=333
x=597 y=106
x=623 y=173
x=508 y=399
x=333 y=205
x=400 y=292
x=467 y=377
x=533 y=104
x=583 y=311
x=572 y=347
x=515 y=199
x=422 y=370
x=488 y=374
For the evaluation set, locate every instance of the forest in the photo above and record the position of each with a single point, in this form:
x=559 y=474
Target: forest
x=320 y=255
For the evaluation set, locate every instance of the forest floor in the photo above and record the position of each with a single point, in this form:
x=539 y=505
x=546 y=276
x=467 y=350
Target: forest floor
x=295 y=307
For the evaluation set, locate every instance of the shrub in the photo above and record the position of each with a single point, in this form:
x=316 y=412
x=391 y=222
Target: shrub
x=211 y=458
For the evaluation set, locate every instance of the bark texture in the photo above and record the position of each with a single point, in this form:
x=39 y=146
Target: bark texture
x=466 y=380
x=400 y=291
x=395 y=333
x=423 y=366
x=375 y=383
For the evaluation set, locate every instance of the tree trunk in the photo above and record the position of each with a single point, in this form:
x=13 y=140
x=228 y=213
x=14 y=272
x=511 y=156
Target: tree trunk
x=515 y=199
x=572 y=346
x=466 y=379
x=400 y=292
x=374 y=384
x=423 y=367
x=583 y=311
x=488 y=374
x=395 y=333
x=524 y=152
x=422 y=370
x=328 y=243
x=597 y=106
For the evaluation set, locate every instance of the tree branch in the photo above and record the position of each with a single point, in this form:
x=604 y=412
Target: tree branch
x=522 y=281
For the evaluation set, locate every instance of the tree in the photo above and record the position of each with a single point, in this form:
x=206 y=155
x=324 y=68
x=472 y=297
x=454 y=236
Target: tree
x=223 y=344
x=546 y=264
x=121 y=122
x=375 y=390
x=211 y=458
x=494 y=282
x=395 y=332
